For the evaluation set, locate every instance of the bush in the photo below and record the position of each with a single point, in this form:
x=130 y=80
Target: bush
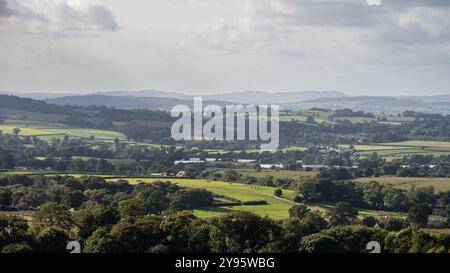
x=254 y=203
x=369 y=221
x=278 y=192
x=17 y=248
x=319 y=243
x=298 y=199
x=392 y=224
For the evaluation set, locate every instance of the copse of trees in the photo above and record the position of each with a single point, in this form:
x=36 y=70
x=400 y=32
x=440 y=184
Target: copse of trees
x=28 y=193
x=420 y=203
x=102 y=229
x=103 y=215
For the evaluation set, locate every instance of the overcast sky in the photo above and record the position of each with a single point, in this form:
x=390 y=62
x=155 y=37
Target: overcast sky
x=214 y=46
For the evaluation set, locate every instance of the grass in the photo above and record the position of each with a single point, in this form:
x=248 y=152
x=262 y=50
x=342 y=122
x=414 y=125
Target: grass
x=250 y=151
x=302 y=118
x=439 y=184
x=86 y=133
x=274 y=173
x=364 y=212
x=445 y=231
x=421 y=144
x=295 y=148
x=48 y=131
x=394 y=150
x=24 y=131
x=276 y=208
x=405 y=152
x=356 y=119
x=320 y=117
x=6 y=174
x=26 y=214
x=362 y=148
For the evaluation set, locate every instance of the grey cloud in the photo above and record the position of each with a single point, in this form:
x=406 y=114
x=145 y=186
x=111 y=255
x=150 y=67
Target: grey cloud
x=417 y=21
x=59 y=16
x=350 y=13
x=5 y=10
x=333 y=13
x=417 y=3
x=103 y=17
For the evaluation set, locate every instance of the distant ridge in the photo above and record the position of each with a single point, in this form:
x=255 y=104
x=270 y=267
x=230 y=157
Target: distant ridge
x=155 y=99
x=393 y=105
x=145 y=93
x=125 y=102
x=148 y=99
x=260 y=97
x=245 y=97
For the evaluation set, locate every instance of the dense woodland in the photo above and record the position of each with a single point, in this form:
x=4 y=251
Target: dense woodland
x=152 y=218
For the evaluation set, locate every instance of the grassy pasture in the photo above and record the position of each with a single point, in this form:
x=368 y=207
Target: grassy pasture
x=356 y=119
x=404 y=152
x=276 y=208
x=274 y=173
x=24 y=131
x=403 y=149
x=440 y=145
x=12 y=114
x=362 y=148
x=6 y=174
x=302 y=118
x=86 y=133
x=48 y=131
x=439 y=184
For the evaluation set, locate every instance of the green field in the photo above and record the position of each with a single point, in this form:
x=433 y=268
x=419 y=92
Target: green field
x=274 y=173
x=250 y=151
x=5 y=174
x=405 y=152
x=276 y=208
x=24 y=131
x=302 y=118
x=356 y=119
x=439 y=184
x=439 y=145
x=48 y=131
x=326 y=117
x=394 y=150
x=362 y=148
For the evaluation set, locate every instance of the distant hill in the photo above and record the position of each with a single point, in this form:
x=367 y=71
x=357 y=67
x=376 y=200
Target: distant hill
x=164 y=100
x=36 y=95
x=31 y=105
x=155 y=99
x=126 y=102
x=146 y=93
x=259 y=97
x=431 y=104
x=245 y=97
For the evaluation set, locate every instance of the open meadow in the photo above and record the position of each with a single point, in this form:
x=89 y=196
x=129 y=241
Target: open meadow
x=394 y=150
x=276 y=208
x=439 y=184
x=274 y=173
x=48 y=131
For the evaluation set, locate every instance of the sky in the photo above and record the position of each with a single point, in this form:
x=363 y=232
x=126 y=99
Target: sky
x=401 y=47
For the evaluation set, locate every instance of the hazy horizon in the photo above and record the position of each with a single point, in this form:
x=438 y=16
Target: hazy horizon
x=204 y=47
